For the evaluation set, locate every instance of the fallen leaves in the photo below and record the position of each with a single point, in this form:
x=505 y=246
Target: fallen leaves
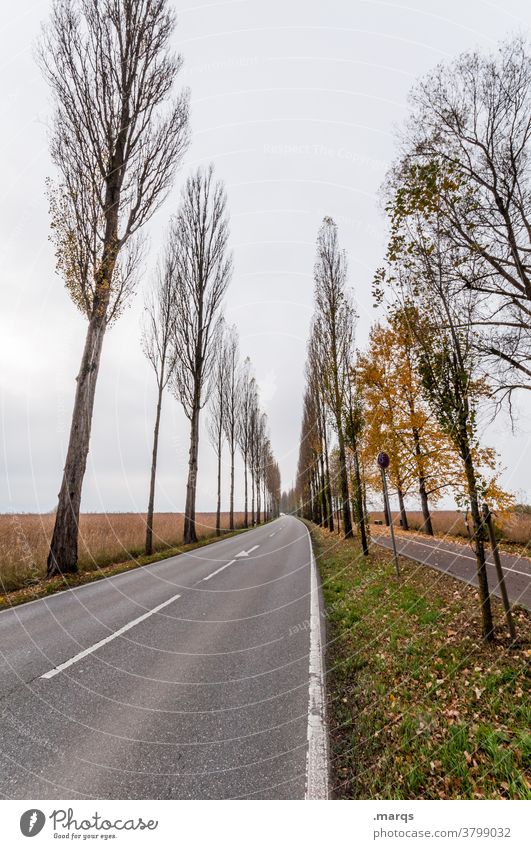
x=435 y=709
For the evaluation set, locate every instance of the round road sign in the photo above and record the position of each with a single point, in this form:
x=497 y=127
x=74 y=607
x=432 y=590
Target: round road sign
x=383 y=460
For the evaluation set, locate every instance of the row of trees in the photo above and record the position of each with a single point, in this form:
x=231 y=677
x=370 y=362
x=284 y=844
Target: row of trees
x=331 y=400
x=456 y=287
x=457 y=269
x=196 y=355
x=416 y=392
x=119 y=133
x=236 y=418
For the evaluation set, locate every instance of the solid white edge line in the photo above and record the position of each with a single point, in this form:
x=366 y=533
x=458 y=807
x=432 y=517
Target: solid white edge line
x=317 y=752
x=108 y=639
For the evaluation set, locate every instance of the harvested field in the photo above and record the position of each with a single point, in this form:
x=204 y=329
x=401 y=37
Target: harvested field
x=104 y=538
x=515 y=528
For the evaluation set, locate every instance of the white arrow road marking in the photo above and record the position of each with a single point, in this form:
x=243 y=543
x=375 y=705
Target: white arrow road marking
x=108 y=639
x=221 y=568
x=247 y=553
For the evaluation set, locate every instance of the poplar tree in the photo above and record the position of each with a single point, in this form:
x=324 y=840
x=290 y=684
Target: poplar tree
x=116 y=140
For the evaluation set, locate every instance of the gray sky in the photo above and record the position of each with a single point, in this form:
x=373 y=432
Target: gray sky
x=296 y=103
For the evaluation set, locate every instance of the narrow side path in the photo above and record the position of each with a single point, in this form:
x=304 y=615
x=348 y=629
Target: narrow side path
x=459 y=561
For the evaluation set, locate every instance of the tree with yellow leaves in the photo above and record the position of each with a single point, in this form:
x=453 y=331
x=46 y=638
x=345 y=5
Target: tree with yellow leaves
x=426 y=271
x=399 y=421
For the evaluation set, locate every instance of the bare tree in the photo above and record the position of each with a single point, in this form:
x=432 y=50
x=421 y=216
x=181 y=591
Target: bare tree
x=254 y=430
x=425 y=271
x=110 y=69
x=273 y=486
x=334 y=325
x=470 y=133
x=354 y=426
x=267 y=463
x=233 y=388
x=157 y=338
x=199 y=237
x=216 y=421
x=314 y=436
x=260 y=440
x=315 y=386
x=310 y=489
x=243 y=432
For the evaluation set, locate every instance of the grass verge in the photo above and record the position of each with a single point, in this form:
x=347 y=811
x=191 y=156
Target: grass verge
x=418 y=706
x=45 y=587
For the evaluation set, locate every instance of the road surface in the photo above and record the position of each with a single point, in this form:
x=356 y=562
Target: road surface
x=196 y=677
x=459 y=561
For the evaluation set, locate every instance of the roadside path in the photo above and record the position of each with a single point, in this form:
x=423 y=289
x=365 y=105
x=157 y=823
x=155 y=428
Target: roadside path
x=460 y=562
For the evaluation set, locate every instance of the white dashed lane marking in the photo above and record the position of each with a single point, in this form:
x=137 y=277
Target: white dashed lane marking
x=108 y=639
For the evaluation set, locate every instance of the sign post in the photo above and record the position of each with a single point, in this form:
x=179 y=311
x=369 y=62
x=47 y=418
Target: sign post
x=383 y=463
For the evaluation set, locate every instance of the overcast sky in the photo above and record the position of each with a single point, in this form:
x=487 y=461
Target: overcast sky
x=296 y=102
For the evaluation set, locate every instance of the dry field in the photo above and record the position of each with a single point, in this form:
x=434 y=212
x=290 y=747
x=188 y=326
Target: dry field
x=104 y=538
x=514 y=528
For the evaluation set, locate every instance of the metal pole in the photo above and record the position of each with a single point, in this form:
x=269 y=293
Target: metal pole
x=392 y=530
x=499 y=571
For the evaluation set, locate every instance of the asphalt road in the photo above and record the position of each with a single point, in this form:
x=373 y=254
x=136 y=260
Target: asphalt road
x=195 y=677
x=460 y=562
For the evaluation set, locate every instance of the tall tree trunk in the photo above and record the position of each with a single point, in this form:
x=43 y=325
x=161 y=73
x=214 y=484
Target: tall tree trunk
x=246 y=520
x=151 y=502
x=330 y=508
x=364 y=504
x=347 y=520
x=321 y=470
x=317 y=518
x=338 y=412
x=427 y=526
x=322 y=490
x=231 y=507
x=258 y=501
x=307 y=504
x=479 y=545
x=403 y=514
x=62 y=557
x=252 y=494
x=190 y=534
x=218 y=506
x=360 y=512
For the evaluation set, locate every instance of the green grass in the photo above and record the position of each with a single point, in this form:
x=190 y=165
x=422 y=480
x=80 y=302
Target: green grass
x=418 y=705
